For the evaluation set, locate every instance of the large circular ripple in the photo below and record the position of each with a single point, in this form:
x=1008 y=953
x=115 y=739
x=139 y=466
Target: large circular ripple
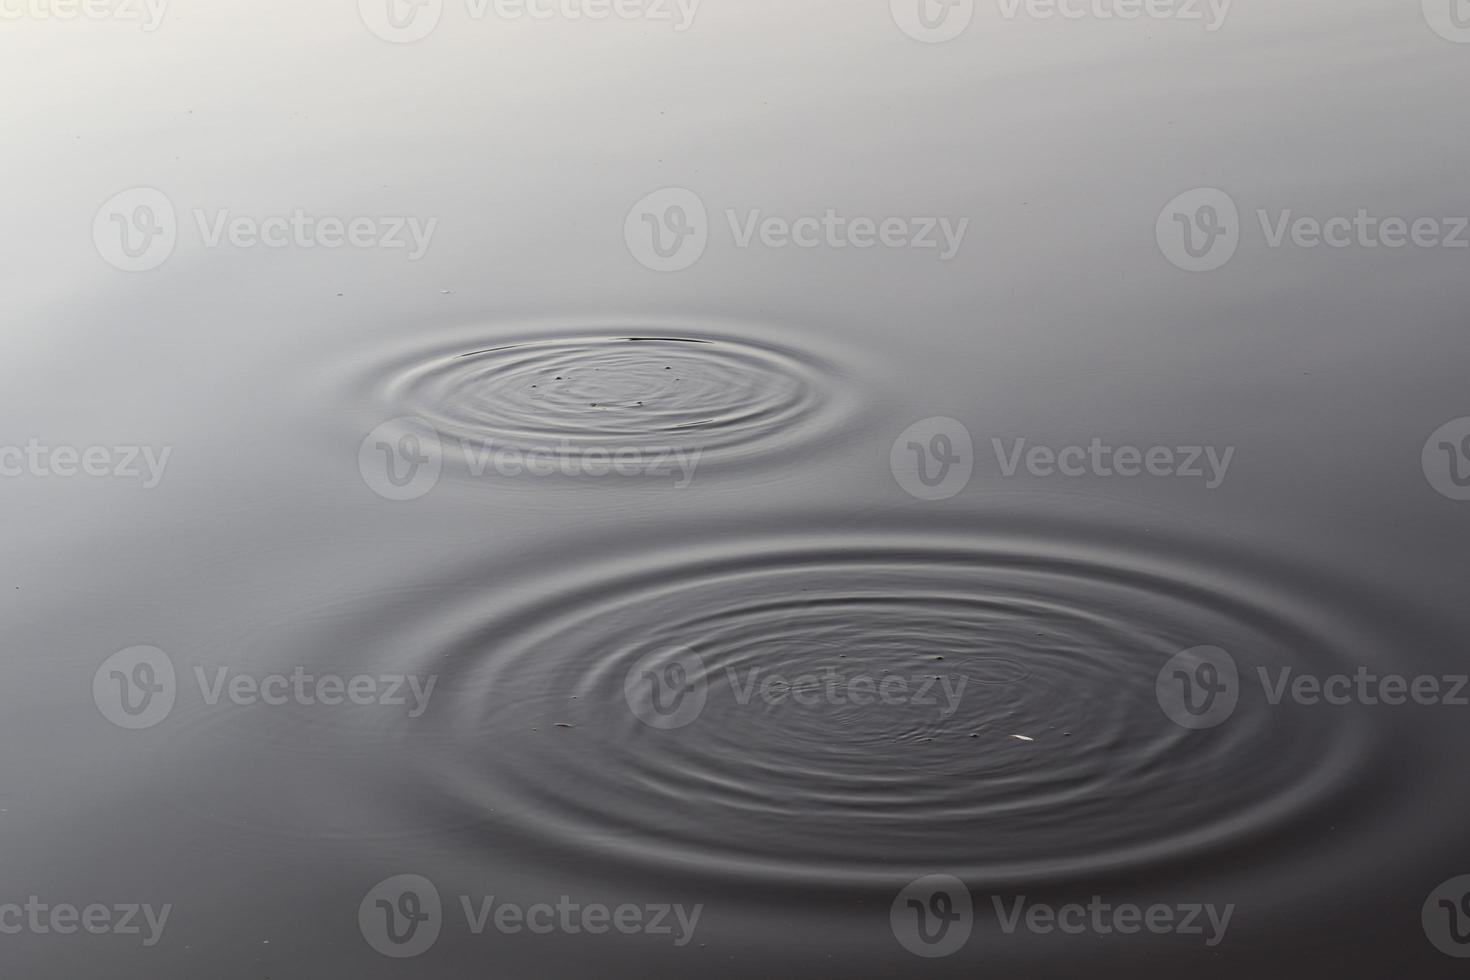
x=693 y=706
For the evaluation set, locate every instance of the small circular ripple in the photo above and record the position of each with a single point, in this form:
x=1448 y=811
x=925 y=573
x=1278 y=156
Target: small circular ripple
x=1005 y=725
x=622 y=389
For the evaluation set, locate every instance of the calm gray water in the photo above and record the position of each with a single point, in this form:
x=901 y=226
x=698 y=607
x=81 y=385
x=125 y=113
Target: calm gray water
x=734 y=488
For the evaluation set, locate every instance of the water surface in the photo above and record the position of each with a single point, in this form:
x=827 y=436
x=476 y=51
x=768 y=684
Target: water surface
x=628 y=556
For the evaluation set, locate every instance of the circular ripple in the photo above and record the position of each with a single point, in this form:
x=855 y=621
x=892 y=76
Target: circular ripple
x=646 y=391
x=1006 y=726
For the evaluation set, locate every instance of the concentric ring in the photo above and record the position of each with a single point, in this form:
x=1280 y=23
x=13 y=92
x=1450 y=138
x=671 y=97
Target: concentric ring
x=636 y=388
x=1005 y=727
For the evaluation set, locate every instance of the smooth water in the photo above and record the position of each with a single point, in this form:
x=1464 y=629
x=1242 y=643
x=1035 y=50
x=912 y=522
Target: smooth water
x=1051 y=520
